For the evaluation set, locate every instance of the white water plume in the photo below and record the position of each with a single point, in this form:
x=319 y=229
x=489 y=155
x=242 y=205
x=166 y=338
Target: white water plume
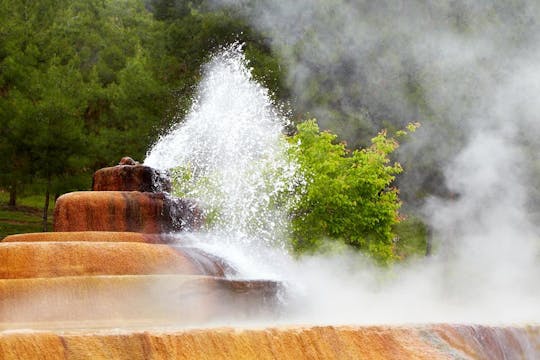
x=230 y=154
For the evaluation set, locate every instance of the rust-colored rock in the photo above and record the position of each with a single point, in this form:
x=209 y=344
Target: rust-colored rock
x=92 y=236
x=131 y=178
x=126 y=160
x=42 y=259
x=125 y=211
x=294 y=343
x=111 y=301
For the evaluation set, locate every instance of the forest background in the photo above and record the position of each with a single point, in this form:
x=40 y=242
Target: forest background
x=85 y=82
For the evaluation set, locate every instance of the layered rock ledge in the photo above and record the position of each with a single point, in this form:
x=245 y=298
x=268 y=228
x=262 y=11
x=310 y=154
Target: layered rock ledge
x=92 y=236
x=130 y=211
x=114 y=301
x=430 y=342
x=22 y=260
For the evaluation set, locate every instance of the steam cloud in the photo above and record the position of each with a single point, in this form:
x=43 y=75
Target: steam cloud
x=469 y=71
x=359 y=66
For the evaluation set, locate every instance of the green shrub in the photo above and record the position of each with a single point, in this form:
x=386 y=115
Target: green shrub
x=349 y=196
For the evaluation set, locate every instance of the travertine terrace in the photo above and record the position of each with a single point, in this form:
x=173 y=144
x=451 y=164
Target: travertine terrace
x=112 y=283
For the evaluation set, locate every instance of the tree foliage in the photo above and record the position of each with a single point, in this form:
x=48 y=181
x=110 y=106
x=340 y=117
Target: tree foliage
x=61 y=72
x=84 y=82
x=349 y=195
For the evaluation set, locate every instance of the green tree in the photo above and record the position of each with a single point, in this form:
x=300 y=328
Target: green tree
x=76 y=89
x=109 y=73
x=53 y=127
x=13 y=155
x=192 y=31
x=20 y=62
x=349 y=195
x=138 y=101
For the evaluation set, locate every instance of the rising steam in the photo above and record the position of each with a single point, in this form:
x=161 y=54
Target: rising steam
x=231 y=148
x=458 y=66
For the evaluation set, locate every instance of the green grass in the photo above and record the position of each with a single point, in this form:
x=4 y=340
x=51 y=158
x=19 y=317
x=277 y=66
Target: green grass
x=19 y=214
x=33 y=201
x=26 y=217
x=411 y=238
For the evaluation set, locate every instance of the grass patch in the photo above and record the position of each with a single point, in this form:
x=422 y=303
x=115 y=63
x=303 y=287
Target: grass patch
x=32 y=201
x=26 y=217
x=18 y=214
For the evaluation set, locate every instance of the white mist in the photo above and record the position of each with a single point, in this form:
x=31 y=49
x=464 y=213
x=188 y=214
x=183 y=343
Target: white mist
x=231 y=142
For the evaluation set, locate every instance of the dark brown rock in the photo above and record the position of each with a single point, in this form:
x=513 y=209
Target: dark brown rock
x=129 y=177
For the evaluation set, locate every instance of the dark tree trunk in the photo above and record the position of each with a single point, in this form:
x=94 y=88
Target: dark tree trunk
x=12 y=194
x=46 y=206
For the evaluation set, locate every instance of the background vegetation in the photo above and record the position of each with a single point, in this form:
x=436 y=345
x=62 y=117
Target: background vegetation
x=349 y=197
x=85 y=82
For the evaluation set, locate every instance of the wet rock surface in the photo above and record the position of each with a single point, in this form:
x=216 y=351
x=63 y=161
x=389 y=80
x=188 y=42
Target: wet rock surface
x=131 y=177
x=97 y=301
x=92 y=236
x=111 y=284
x=428 y=342
x=40 y=260
x=130 y=211
x=127 y=197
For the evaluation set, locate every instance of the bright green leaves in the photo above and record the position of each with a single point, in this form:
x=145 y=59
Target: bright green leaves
x=349 y=197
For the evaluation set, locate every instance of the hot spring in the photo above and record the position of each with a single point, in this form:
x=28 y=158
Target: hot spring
x=133 y=272
x=230 y=153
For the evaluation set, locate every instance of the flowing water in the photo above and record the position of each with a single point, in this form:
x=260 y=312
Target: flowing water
x=230 y=154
